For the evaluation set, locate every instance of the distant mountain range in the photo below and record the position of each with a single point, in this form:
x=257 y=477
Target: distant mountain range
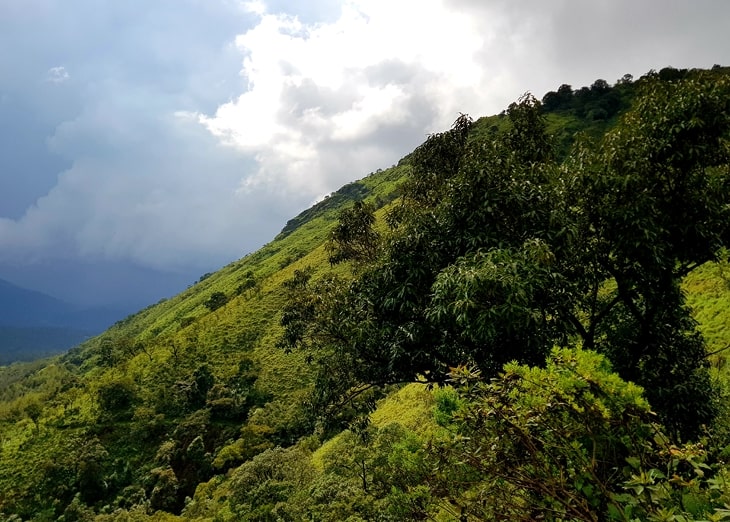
x=33 y=324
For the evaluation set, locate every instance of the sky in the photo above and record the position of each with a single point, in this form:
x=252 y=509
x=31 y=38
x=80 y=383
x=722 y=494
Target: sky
x=144 y=143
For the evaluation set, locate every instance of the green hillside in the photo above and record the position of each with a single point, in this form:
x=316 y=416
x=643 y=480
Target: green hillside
x=494 y=328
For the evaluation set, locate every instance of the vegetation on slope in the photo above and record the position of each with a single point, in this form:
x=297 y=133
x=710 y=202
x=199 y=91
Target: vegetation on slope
x=498 y=252
x=506 y=243
x=121 y=410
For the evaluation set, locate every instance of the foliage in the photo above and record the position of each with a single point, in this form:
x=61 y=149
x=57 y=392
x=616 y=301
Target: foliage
x=494 y=240
x=356 y=191
x=267 y=479
x=354 y=238
x=498 y=251
x=571 y=441
x=116 y=399
x=216 y=300
x=600 y=101
x=447 y=403
x=657 y=193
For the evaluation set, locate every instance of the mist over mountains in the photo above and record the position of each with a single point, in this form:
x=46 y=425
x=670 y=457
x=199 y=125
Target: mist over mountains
x=33 y=324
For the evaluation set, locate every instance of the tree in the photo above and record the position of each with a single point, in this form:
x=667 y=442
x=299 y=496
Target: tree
x=656 y=194
x=354 y=238
x=116 y=399
x=499 y=252
x=268 y=479
x=559 y=101
x=216 y=300
x=34 y=410
x=91 y=469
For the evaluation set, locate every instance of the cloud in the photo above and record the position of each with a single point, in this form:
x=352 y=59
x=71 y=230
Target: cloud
x=170 y=206
x=540 y=45
x=255 y=6
x=135 y=181
x=178 y=135
x=323 y=101
x=57 y=74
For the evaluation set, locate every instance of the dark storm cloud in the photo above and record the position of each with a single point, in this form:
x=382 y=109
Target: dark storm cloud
x=100 y=163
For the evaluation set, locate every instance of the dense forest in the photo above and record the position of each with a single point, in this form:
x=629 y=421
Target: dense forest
x=527 y=318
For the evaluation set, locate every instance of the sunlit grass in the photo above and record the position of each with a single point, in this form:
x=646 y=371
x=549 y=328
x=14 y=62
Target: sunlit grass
x=708 y=295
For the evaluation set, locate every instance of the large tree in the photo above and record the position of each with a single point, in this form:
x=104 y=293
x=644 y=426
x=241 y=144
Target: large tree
x=498 y=251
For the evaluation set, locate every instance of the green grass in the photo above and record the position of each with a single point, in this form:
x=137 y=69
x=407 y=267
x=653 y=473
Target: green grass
x=708 y=295
x=411 y=406
x=178 y=335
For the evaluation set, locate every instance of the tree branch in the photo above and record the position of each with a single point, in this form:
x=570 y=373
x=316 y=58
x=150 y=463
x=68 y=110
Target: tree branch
x=717 y=351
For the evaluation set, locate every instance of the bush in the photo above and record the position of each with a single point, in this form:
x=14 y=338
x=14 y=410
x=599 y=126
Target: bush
x=216 y=300
x=116 y=399
x=571 y=441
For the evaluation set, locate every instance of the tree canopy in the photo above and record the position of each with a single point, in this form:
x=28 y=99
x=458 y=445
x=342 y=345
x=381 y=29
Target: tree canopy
x=498 y=251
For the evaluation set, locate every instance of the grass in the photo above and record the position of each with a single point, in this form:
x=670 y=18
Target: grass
x=708 y=295
x=411 y=406
x=171 y=339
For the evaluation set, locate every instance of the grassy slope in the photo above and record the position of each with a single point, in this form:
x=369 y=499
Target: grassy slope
x=180 y=333
x=176 y=331
x=708 y=295
x=177 y=334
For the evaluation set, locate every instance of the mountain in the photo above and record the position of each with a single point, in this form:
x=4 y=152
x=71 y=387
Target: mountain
x=21 y=307
x=33 y=324
x=445 y=339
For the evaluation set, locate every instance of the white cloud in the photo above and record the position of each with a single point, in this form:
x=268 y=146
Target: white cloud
x=256 y=7
x=324 y=100
x=311 y=87
x=57 y=74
